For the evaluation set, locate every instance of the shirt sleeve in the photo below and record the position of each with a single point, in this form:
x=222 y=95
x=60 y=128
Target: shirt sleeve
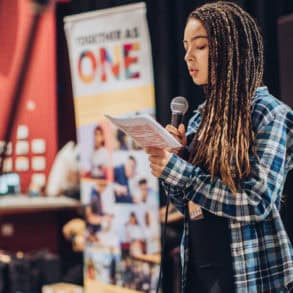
x=175 y=195
x=257 y=194
x=290 y=140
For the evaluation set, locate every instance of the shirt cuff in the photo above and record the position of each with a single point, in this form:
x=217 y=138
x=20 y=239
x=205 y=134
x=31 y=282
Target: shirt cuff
x=177 y=171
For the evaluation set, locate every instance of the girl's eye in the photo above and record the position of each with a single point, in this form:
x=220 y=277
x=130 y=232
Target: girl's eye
x=201 y=47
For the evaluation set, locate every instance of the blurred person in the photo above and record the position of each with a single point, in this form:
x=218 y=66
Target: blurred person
x=229 y=177
x=113 y=266
x=151 y=233
x=122 y=139
x=146 y=194
x=90 y=269
x=134 y=235
x=100 y=159
x=94 y=213
x=122 y=174
x=74 y=231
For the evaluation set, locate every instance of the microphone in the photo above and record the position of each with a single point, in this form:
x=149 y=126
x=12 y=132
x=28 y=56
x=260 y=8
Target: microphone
x=179 y=106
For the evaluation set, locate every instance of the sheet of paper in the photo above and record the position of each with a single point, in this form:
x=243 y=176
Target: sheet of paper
x=146 y=131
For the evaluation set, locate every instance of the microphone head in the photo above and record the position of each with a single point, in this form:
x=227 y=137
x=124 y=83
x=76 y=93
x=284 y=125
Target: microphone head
x=179 y=105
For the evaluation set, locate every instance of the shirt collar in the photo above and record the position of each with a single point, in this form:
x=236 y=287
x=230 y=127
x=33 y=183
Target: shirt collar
x=262 y=90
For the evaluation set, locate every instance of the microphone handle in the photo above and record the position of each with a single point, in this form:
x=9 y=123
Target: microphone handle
x=176 y=119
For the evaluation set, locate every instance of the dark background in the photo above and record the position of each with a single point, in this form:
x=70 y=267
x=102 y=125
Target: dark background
x=166 y=20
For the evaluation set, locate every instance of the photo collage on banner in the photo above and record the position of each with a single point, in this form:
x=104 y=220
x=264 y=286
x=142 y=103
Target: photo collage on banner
x=112 y=74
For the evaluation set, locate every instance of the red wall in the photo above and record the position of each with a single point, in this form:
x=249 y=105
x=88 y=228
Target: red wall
x=37 y=111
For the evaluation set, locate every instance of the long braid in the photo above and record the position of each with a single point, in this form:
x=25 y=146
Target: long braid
x=225 y=137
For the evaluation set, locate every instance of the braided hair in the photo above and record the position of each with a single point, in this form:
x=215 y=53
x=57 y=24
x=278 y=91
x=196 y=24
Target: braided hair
x=235 y=69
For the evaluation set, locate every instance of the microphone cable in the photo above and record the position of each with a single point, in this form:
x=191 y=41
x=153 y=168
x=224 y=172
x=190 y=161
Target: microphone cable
x=164 y=236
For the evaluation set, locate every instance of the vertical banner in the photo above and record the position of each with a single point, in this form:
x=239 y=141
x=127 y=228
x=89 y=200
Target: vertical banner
x=111 y=68
x=33 y=144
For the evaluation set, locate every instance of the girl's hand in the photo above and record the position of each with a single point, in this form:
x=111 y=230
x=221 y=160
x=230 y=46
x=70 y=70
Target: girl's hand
x=180 y=135
x=158 y=159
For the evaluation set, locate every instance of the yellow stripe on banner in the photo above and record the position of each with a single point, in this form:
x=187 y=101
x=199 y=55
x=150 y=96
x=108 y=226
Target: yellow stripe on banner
x=90 y=109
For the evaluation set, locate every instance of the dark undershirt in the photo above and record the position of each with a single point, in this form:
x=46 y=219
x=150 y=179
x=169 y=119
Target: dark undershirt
x=210 y=240
x=210 y=261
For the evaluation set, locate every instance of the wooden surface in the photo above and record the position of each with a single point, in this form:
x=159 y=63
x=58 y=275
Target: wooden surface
x=95 y=287
x=25 y=204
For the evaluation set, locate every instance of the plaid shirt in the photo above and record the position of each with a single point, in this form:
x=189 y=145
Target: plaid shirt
x=261 y=251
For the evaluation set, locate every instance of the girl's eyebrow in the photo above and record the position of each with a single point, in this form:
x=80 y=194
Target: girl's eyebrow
x=195 y=38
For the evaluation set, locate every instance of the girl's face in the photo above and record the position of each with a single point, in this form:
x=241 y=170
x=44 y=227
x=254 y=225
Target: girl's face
x=133 y=220
x=99 y=138
x=196 y=51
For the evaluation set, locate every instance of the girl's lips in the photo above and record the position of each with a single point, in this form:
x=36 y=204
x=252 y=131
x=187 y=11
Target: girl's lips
x=193 y=72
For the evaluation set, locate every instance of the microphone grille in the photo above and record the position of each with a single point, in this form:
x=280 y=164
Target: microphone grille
x=179 y=105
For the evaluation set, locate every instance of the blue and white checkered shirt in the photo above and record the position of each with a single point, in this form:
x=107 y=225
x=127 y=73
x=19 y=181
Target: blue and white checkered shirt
x=261 y=251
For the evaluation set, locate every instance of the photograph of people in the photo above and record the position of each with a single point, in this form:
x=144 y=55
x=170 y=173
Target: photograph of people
x=145 y=195
x=134 y=235
x=95 y=216
x=122 y=174
x=100 y=159
x=152 y=232
x=237 y=162
x=122 y=140
x=147 y=203
x=90 y=269
x=138 y=275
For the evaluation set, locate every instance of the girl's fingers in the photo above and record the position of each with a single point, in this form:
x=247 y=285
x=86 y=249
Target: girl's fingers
x=150 y=150
x=157 y=162
x=155 y=170
x=154 y=151
x=171 y=129
x=181 y=129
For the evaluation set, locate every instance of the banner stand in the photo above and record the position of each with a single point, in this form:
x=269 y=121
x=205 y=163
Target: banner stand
x=111 y=69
